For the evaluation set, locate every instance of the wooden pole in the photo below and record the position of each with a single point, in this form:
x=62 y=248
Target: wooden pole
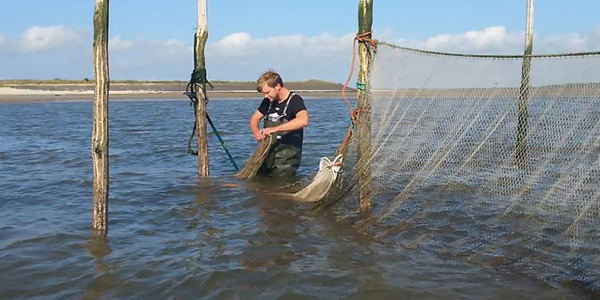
x=521 y=150
x=365 y=20
x=100 y=128
x=201 y=137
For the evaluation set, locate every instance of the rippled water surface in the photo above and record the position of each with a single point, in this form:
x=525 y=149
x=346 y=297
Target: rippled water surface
x=173 y=236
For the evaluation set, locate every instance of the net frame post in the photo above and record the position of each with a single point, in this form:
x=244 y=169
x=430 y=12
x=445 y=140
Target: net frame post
x=200 y=63
x=524 y=90
x=100 y=123
x=363 y=124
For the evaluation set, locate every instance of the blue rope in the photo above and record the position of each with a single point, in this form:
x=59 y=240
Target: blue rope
x=199 y=77
x=194 y=100
x=222 y=143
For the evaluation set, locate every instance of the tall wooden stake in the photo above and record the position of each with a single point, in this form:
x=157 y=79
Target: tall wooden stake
x=201 y=138
x=521 y=150
x=365 y=20
x=100 y=129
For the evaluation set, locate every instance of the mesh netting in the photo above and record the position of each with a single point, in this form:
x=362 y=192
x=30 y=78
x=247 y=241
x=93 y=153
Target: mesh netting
x=447 y=175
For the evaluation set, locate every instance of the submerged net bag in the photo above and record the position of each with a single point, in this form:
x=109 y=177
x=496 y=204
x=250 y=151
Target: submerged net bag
x=468 y=162
x=324 y=180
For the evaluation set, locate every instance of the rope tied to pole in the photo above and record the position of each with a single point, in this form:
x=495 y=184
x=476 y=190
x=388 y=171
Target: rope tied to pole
x=199 y=74
x=370 y=43
x=194 y=102
x=354 y=112
x=363 y=38
x=199 y=78
x=191 y=91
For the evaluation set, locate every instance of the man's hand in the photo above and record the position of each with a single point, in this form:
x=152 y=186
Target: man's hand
x=259 y=135
x=269 y=130
x=264 y=133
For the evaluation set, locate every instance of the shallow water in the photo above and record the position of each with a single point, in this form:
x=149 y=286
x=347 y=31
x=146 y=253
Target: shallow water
x=173 y=236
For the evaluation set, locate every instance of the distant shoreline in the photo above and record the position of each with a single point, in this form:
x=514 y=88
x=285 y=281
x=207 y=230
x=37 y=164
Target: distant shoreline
x=55 y=97
x=53 y=92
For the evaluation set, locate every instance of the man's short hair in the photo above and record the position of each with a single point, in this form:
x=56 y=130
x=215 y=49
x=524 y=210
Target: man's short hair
x=271 y=78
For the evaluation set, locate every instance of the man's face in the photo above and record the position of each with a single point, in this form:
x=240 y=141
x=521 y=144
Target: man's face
x=271 y=92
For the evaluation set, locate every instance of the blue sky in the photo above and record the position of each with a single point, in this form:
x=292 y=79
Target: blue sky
x=308 y=39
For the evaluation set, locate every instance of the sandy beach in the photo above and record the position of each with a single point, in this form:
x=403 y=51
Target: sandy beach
x=85 y=92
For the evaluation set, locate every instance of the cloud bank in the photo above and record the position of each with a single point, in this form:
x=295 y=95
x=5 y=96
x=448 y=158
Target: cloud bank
x=241 y=56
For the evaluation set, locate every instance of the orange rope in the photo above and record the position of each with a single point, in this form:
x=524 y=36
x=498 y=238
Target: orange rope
x=344 y=143
x=353 y=112
x=360 y=38
x=350 y=78
x=338 y=164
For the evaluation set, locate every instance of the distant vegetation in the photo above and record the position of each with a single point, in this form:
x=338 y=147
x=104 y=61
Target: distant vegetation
x=58 y=84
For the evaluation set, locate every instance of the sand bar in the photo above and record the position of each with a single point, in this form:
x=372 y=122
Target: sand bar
x=44 y=93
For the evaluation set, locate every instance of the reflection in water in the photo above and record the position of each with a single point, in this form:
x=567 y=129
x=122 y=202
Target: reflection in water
x=105 y=284
x=210 y=237
x=97 y=246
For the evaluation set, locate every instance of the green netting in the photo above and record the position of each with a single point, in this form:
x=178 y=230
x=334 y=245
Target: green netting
x=447 y=175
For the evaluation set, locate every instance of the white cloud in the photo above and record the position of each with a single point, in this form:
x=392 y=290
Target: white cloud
x=302 y=57
x=169 y=51
x=496 y=40
x=491 y=40
x=145 y=59
x=564 y=43
x=327 y=45
x=570 y=43
x=242 y=45
x=118 y=44
x=237 y=56
x=234 y=41
x=36 y=39
x=241 y=56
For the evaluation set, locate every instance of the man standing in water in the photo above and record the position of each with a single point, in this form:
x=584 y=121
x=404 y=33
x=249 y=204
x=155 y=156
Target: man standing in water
x=286 y=116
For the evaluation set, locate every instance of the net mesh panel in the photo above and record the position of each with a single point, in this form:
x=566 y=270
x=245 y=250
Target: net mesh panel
x=448 y=177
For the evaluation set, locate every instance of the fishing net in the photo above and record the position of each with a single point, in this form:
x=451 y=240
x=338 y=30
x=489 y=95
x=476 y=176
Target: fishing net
x=326 y=177
x=467 y=162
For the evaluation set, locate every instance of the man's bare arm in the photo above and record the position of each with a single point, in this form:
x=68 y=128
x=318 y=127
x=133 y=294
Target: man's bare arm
x=254 y=125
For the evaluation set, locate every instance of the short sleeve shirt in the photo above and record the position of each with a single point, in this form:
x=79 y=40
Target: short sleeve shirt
x=282 y=111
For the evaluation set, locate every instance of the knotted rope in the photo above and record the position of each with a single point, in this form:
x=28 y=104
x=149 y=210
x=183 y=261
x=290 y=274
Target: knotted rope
x=361 y=38
x=370 y=43
x=199 y=78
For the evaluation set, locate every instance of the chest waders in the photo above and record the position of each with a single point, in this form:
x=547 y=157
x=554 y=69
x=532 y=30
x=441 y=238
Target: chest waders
x=285 y=154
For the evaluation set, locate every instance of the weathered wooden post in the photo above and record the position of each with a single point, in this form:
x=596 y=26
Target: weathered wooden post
x=201 y=138
x=100 y=128
x=524 y=90
x=365 y=20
